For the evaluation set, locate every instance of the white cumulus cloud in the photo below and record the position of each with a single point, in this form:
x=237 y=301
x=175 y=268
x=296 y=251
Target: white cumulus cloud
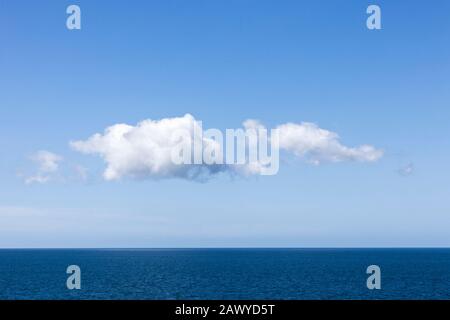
x=48 y=164
x=307 y=140
x=145 y=150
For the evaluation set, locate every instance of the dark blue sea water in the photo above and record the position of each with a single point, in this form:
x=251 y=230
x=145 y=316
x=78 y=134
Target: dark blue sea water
x=225 y=273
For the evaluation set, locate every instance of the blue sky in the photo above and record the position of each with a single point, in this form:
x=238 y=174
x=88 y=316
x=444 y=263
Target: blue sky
x=225 y=62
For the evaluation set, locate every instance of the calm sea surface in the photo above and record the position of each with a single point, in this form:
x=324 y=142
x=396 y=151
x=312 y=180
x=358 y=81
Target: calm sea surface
x=225 y=273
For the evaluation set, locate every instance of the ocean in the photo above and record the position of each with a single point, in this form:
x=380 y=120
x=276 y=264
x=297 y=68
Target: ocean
x=225 y=273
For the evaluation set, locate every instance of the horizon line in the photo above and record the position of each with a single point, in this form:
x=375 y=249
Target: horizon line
x=223 y=248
